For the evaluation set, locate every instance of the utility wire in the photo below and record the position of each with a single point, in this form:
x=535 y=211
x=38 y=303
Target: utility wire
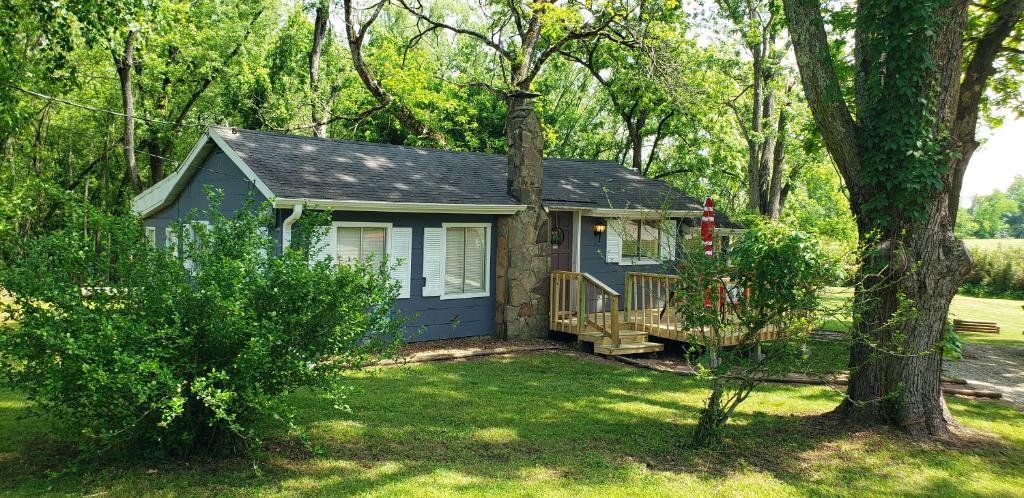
x=99 y=109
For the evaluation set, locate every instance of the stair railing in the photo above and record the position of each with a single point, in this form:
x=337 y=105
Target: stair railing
x=579 y=302
x=650 y=301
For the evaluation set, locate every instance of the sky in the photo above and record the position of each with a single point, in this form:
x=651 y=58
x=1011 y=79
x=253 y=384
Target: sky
x=996 y=162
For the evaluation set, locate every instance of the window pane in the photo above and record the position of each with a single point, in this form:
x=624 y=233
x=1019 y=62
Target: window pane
x=476 y=259
x=373 y=244
x=348 y=244
x=454 y=260
x=641 y=240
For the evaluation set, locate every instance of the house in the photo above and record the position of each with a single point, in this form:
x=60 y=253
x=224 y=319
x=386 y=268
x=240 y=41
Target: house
x=433 y=210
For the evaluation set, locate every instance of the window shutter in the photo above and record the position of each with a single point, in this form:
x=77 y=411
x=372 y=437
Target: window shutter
x=613 y=242
x=400 y=252
x=668 y=240
x=171 y=240
x=322 y=245
x=432 y=260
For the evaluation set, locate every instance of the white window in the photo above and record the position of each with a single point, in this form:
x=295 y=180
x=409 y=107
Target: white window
x=357 y=243
x=640 y=241
x=354 y=241
x=151 y=236
x=457 y=260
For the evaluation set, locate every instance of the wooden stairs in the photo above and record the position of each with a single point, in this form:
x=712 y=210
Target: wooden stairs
x=631 y=342
x=575 y=295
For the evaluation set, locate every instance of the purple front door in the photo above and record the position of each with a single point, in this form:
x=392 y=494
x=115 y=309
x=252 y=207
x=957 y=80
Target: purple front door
x=561 y=254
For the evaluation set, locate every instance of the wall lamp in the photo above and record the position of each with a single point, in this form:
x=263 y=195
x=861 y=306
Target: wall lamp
x=600 y=227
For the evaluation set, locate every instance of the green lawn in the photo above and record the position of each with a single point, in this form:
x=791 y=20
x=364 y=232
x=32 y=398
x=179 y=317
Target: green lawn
x=549 y=424
x=990 y=244
x=1006 y=312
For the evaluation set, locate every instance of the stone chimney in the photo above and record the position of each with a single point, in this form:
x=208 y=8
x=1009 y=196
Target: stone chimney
x=523 y=261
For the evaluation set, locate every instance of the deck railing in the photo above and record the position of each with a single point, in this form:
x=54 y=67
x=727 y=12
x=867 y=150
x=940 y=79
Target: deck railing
x=581 y=303
x=650 y=301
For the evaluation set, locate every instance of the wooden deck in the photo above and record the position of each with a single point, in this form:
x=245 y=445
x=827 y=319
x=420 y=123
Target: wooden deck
x=635 y=323
x=644 y=314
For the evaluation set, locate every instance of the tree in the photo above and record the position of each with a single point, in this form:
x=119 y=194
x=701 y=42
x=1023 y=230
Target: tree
x=785 y=271
x=356 y=30
x=763 y=121
x=992 y=214
x=921 y=70
x=523 y=36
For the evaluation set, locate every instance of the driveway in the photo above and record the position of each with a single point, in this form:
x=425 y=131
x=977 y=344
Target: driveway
x=995 y=368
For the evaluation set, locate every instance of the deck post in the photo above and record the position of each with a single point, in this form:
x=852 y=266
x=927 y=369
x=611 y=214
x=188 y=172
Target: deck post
x=581 y=309
x=616 y=342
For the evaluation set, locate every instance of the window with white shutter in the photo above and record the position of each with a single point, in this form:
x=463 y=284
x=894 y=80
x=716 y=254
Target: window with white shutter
x=465 y=258
x=640 y=241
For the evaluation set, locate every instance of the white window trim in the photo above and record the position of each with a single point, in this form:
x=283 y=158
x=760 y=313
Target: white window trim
x=634 y=261
x=487 y=260
x=333 y=241
x=151 y=232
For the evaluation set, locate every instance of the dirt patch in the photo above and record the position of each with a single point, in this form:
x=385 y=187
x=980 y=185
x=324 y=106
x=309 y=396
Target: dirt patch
x=470 y=347
x=993 y=368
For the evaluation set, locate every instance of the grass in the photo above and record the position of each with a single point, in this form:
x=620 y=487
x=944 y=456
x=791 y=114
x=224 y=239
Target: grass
x=1008 y=313
x=992 y=244
x=549 y=424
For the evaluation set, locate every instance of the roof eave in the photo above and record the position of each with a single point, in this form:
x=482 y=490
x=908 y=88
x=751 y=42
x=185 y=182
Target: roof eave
x=400 y=207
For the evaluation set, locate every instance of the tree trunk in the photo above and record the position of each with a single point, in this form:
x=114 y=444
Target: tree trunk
x=775 y=200
x=527 y=247
x=753 y=148
x=124 y=63
x=317 y=109
x=897 y=365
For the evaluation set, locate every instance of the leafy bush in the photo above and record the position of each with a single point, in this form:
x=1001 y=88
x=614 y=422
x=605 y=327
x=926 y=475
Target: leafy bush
x=996 y=273
x=125 y=345
x=783 y=272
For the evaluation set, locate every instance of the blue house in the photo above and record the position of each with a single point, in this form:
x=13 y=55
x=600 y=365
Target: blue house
x=435 y=211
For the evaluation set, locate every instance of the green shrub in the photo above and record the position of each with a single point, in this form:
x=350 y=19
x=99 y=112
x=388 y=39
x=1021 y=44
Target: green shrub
x=784 y=271
x=124 y=345
x=996 y=273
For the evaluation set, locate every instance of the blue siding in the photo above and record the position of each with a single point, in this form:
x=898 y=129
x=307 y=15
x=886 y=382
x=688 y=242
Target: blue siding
x=430 y=317
x=592 y=259
x=217 y=171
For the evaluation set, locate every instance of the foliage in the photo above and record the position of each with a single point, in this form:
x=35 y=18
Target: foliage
x=771 y=280
x=996 y=273
x=126 y=346
x=997 y=215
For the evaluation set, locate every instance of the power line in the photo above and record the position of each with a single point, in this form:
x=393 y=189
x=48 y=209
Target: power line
x=99 y=109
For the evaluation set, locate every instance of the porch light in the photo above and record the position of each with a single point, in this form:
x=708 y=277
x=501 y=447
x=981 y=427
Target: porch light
x=600 y=227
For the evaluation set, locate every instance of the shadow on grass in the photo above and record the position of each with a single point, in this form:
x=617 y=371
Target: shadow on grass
x=552 y=423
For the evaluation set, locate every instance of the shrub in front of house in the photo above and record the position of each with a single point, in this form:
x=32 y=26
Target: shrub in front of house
x=131 y=347
x=752 y=314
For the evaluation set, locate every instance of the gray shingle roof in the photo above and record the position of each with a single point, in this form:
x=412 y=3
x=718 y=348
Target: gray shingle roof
x=312 y=168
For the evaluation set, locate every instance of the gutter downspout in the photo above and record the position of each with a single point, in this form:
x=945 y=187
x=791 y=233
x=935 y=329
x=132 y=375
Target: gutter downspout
x=286 y=227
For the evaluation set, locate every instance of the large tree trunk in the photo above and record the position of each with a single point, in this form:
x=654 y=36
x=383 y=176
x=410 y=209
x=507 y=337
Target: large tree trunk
x=525 y=256
x=912 y=273
x=896 y=363
x=317 y=109
x=124 y=63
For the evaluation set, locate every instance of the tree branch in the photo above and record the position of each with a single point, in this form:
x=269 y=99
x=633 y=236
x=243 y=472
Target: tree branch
x=821 y=85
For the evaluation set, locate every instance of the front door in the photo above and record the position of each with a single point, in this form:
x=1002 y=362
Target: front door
x=561 y=253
